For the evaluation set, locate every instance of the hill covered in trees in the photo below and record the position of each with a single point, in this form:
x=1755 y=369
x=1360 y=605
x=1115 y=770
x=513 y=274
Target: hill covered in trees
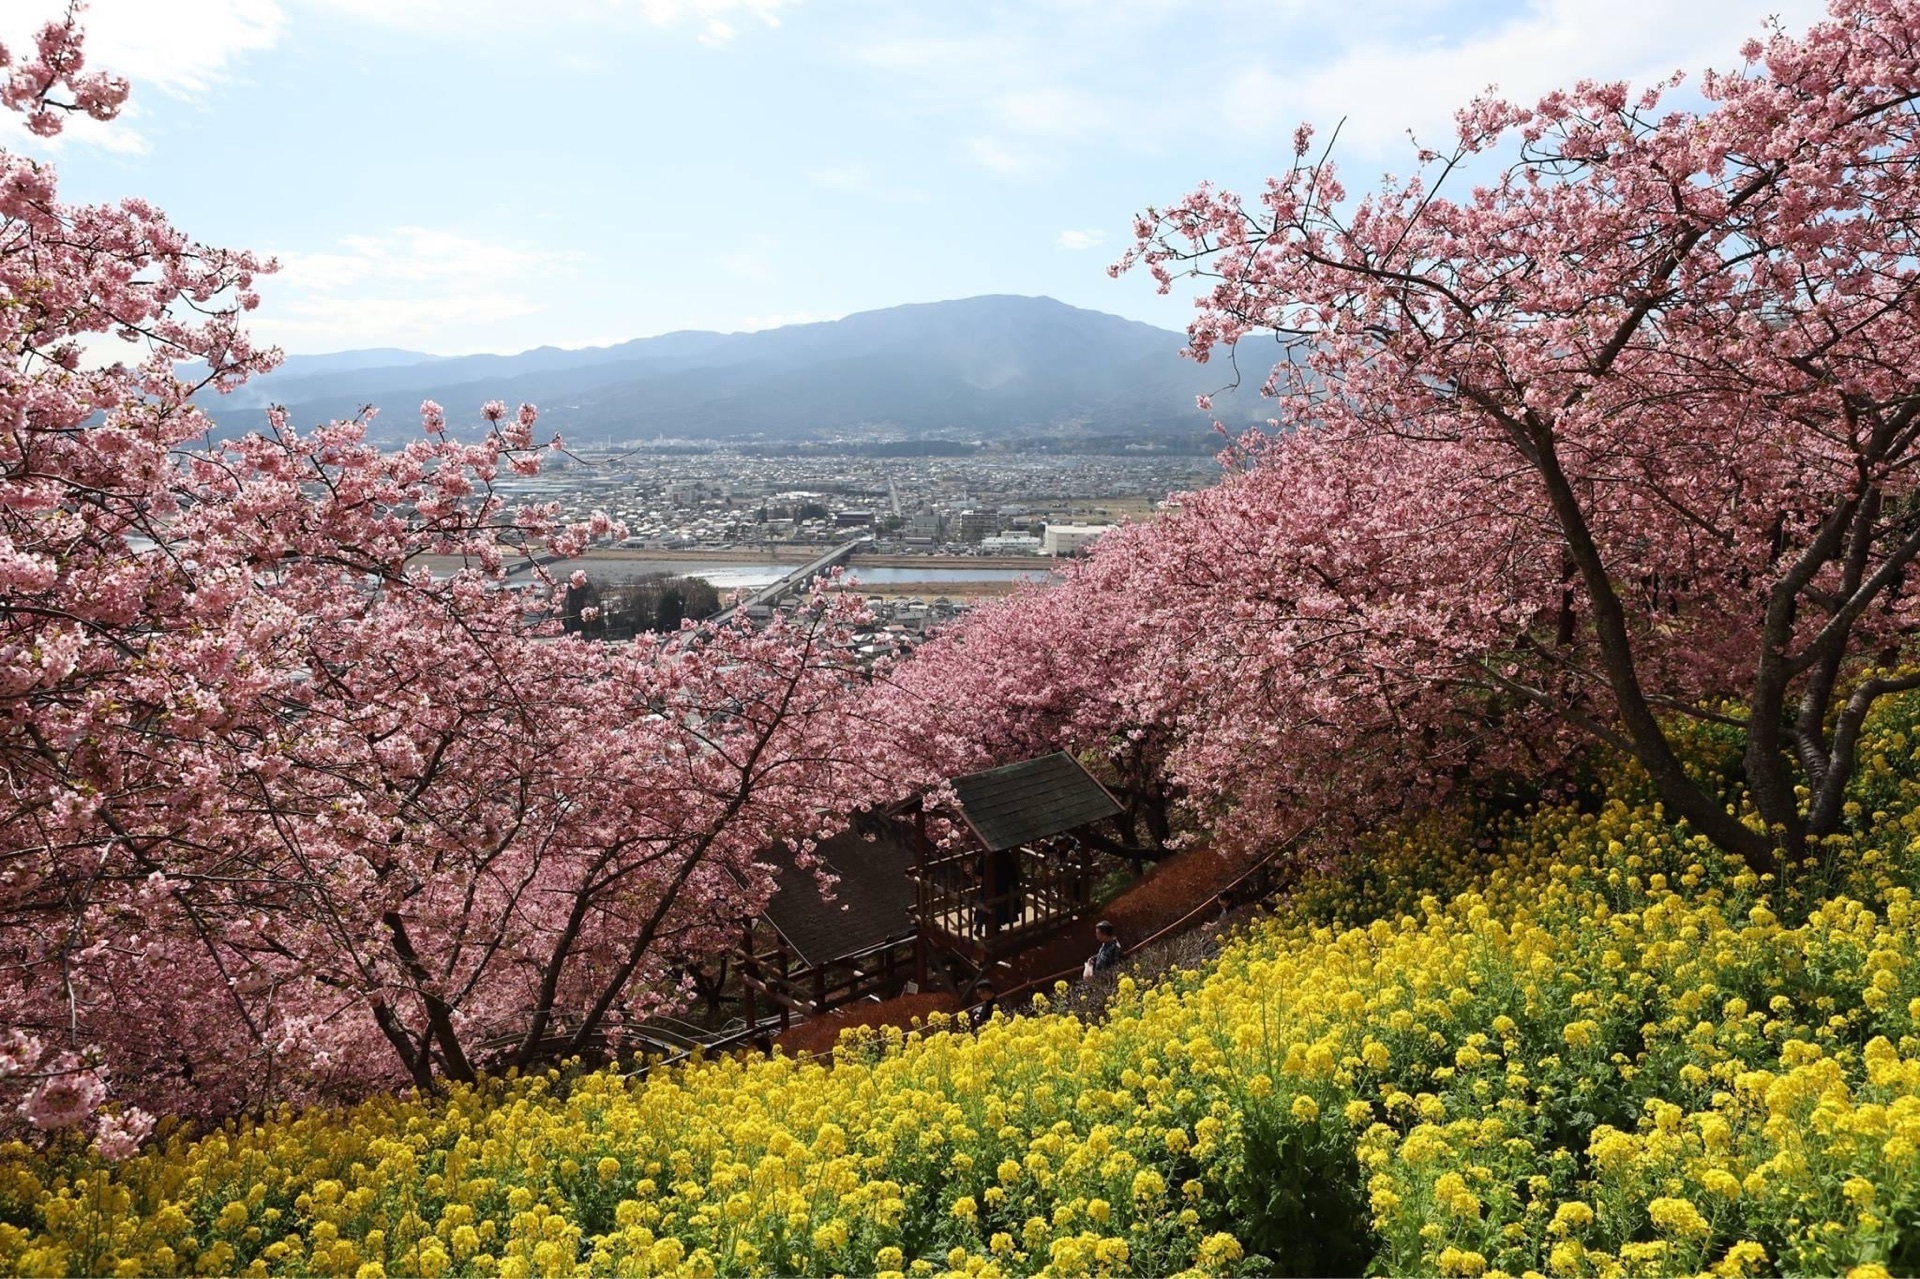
x=996 y=366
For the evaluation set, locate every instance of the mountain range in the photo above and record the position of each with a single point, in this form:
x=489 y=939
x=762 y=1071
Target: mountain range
x=994 y=367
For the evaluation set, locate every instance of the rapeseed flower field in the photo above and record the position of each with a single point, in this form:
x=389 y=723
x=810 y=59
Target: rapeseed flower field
x=1571 y=1041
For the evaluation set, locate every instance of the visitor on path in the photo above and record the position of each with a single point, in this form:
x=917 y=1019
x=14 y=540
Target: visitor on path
x=983 y=998
x=1110 y=949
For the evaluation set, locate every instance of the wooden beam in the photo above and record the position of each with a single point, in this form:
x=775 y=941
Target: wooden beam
x=749 y=972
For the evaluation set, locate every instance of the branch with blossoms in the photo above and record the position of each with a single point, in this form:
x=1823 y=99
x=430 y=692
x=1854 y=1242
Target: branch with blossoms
x=52 y=83
x=1671 y=351
x=65 y=1094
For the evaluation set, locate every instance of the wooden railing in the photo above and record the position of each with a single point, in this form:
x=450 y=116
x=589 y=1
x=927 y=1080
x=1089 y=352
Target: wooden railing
x=1256 y=883
x=959 y=906
x=788 y=987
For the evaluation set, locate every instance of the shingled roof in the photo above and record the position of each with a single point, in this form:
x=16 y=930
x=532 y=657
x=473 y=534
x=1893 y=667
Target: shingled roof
x=1016 y=804
x=872 y=903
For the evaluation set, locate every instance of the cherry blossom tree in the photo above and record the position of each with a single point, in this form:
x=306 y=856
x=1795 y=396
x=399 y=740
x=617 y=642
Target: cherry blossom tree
x=85 y=484
x=1644 y=396
x=289 y=813
x=507 y=866
x=1226 y=663
x=1314 y=644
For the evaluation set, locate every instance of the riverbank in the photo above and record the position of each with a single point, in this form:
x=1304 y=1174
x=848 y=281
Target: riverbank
x=892 y=575
x=783 y=553
x=953 y=590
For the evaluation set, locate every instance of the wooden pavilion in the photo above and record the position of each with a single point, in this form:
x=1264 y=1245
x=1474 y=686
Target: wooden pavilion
x=808 y=953
x=905 y=909
x=1020 y=871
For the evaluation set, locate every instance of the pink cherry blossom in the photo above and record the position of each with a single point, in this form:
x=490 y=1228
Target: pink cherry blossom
x=117 y=1136
x=65 y=1099
x=1621 y=435
x=290 y=816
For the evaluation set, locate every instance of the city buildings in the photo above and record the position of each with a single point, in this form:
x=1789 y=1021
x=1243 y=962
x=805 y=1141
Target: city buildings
x=976 y=524
x=1068 y=539
x=722 y=498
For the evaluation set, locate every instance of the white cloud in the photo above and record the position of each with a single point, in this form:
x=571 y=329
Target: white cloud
x=329 y=322
x=120 y=135
x=409 y=255
x=1078 y=240
x=1025 y=87
x=1382 y=89
x=996 y=157
x=715 y=22
x=411 y=286
x=182 y=47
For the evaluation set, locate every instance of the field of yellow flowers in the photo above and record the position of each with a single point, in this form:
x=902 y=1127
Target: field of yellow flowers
x=1573 y=1041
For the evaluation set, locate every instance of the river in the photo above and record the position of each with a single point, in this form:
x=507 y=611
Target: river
x=734 y=577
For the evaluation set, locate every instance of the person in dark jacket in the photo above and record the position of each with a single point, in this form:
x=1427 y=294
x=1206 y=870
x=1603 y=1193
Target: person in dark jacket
x=1110 y=950
x=1000 y=904
x=984 y=999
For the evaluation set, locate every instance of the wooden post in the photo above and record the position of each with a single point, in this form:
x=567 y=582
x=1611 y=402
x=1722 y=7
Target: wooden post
x=920 y=840
x=990 y=889
x=819 y=990
x=749 y=973
x=923 y=896
x=786 y=991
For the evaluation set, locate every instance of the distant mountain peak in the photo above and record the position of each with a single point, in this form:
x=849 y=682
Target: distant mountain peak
x=993 y=364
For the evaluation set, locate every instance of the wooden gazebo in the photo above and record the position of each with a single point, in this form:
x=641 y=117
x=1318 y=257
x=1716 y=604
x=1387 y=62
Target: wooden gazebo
x=808 y=953
x=1020 y=872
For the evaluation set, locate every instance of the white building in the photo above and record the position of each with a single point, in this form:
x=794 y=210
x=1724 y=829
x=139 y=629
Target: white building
x=1010 y=544
x=1065 y=539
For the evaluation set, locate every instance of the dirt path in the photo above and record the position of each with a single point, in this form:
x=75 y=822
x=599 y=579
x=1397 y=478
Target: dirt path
x=821 y=1033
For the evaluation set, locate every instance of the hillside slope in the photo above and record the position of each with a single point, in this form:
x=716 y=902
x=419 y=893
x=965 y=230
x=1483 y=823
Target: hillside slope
x=1576 y=1041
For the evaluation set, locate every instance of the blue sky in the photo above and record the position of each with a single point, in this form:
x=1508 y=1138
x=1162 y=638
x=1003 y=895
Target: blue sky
x=491 y=175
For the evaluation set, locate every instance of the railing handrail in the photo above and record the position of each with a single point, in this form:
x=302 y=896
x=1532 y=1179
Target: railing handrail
x=720 y=1043
x=878 y=948
x=1178 y=925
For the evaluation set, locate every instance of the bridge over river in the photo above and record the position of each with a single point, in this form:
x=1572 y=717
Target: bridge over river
x=794 y=583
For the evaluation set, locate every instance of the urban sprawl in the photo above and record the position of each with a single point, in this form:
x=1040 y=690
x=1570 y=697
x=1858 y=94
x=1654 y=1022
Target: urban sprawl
x=936 y=533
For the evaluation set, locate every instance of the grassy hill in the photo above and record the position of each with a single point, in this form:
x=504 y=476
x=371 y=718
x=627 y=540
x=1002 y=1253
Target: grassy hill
x=1572 y=1040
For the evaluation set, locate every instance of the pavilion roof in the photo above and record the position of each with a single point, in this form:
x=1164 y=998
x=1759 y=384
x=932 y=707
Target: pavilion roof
x=1019 y=803
x=872 y=902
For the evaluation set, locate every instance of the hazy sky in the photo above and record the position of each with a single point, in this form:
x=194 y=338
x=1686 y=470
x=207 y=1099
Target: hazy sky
x=469 y=175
